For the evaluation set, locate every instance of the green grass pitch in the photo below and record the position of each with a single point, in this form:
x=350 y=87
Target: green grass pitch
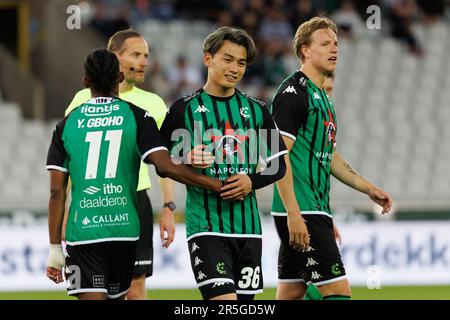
x=359 y=293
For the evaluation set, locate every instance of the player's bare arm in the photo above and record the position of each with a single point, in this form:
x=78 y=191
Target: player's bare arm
x=298 y=232
x=235 y=185
x=166 y=221
x=56 y=207
x=240 y=184
x=66 y=210
x=342 y=171
x=184 y=174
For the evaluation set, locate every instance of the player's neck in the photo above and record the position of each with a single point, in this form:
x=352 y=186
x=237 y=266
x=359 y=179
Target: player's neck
x=218 y=91
x=317 y=77
x=126 y=86
x=96 y=94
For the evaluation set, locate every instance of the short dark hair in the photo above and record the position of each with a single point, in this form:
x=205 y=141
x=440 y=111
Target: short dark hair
x=117 y=40
x=215 y=40
x=102 y=68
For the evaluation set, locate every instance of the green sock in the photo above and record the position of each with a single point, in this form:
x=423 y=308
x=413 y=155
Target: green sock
x=312 y=293
x=337 y=297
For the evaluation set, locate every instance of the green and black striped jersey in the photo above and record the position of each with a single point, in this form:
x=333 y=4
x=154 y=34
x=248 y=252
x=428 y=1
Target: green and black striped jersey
x=304 y=113
x=232 y=129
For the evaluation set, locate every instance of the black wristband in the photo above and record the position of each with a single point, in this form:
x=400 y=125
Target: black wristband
x=171 y=205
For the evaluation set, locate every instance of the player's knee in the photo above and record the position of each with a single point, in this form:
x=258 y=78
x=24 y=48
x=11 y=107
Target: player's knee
x=340 y=288
x=92 y=296
x=137 y=289
x=227 y=296
x=137 y=294
x=291 y=291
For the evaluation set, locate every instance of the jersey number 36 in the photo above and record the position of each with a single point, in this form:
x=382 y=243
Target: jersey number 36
x=250 y=276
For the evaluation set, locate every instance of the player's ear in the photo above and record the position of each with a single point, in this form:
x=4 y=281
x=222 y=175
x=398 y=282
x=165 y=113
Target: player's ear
x=117 y=54
x=121 y=77
x=207 y=59
x=304 y=49
x=86 y=82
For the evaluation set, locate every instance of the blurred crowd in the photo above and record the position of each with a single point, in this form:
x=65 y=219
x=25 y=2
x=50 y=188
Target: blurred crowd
x=272 y=23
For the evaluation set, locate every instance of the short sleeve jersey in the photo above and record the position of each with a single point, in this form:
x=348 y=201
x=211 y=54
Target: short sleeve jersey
x=100 y=145
x=303 y=112
x=150 y=102
x=239 y=132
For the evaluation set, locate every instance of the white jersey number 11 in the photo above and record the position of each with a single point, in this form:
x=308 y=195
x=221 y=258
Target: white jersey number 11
x=95 y=140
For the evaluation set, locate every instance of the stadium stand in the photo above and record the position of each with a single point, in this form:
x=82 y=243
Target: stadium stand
x=392 y=109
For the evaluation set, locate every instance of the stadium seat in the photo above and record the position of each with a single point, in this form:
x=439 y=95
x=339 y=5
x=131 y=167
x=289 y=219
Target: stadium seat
x=393 y=122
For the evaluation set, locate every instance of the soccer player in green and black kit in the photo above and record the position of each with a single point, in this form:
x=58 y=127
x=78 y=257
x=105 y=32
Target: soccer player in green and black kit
x=307 y=121
x=100 y=145
x=132 y=51
x=224 y=237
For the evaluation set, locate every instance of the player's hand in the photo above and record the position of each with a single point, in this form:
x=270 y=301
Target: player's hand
x=166 y=227
x=337 y=234
x=199 y=158
x=55 y=263
x=382 y=198
x=298 y=232
x=236 y=187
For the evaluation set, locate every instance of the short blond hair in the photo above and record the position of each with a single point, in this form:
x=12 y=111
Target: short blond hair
x=306 y=29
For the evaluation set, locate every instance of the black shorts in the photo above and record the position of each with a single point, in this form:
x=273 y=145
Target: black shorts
x=100 y=267
x=144 y=251
x=223 y=265
x=320 y=265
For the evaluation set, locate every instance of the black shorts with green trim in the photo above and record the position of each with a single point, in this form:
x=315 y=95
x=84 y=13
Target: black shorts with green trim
x=224 y=265
x=321 y=264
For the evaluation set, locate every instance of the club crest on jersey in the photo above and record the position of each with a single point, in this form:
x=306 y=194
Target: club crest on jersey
x=229 y=142
x=244 y=112
x=330 y=128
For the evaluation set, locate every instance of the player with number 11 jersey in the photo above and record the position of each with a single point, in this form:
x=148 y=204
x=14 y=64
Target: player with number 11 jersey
x=97 y=144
